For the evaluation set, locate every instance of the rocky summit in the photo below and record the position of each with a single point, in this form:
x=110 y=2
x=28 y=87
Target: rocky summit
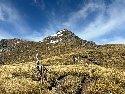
x=67 y=36
x=73 y=66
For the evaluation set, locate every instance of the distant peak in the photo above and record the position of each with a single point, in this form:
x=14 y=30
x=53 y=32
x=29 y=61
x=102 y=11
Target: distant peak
x=65 y=30
x=60 y=33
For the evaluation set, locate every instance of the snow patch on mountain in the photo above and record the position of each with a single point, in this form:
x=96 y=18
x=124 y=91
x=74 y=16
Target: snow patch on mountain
x=18 y=42
x=54 y=41
x=59 y=33
x=54 y=35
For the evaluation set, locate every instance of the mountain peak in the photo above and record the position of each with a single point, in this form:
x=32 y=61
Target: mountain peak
x=62 y=32
x=66 y=36
x=61 y=35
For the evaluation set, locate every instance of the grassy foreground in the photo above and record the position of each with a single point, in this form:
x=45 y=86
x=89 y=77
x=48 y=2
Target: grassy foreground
x=18 y=79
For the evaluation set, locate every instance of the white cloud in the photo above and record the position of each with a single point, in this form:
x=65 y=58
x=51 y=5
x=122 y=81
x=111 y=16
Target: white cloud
x=101 y=25
x=117 y=40
x=4 y=34
x=10 y=15
x=40 y=3
x=34 y=36
x=81 y=14
x=97 y=29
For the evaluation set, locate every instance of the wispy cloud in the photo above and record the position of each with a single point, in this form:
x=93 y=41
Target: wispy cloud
x=9 y=15
x=17 y=24
x=101 y=26
x=4 y=34
x=19 y=28
x=109 y=18
x=82 y=14
x=40 y=3
x=34 y=36
x=115 y=40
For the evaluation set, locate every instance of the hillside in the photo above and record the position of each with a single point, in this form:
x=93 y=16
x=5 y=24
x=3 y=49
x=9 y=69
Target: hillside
x=75 y=66
x=18 y=51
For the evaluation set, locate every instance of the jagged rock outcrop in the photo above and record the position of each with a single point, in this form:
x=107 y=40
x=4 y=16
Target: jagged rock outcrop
x=67 y=37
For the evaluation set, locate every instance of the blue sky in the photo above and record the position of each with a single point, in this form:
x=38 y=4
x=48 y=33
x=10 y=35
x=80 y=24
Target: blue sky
x=102 y=21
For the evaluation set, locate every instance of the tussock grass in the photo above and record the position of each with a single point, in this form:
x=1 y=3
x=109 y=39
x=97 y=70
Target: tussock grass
x=13 y=81
x=103 y=80
x=17 y=78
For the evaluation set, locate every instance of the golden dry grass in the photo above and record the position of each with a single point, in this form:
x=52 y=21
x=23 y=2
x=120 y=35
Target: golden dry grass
x=104 y=80
x=17 y=78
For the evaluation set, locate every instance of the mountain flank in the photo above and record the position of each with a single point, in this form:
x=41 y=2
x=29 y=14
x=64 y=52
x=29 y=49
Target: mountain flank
x=18 y=50
x=74 y=66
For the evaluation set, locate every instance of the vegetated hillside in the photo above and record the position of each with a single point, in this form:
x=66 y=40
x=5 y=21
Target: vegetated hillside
x=20 y=51
x=75 y=66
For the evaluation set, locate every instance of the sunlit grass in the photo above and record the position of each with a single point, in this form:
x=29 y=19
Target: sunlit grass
x=17 y=78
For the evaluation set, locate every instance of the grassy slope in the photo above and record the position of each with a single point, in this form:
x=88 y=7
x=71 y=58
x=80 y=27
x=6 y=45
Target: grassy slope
x=104 y=67
x=18 y=78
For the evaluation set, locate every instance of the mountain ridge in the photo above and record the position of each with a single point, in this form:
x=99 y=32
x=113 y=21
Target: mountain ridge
x=21 y=50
